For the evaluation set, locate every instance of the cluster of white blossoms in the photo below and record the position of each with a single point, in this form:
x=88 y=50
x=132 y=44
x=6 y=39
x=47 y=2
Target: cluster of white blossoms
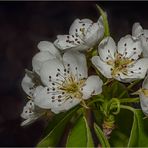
x=59 y=79
x=122 y=62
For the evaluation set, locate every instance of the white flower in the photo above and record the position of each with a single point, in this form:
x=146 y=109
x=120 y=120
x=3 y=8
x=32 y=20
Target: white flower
x=31 y=113
x=66 y=83
x=143 y=94
x=83 y=35
x=47 y=51
x=121 y=62
x=142 y=34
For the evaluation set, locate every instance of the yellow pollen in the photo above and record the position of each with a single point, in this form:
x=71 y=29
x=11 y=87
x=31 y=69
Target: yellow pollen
x=72 y=86
x=119 y=64
x=145 y=91
x=82 y=30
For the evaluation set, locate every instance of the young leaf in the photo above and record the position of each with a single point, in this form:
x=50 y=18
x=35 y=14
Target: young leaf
x=104 y=142
x=55 y=134
x=139 y=132
x=80 y=135
x=105 y=21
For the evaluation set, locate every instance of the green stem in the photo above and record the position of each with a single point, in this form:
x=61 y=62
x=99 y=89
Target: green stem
x=114 y=103
x=128 y=100
x=129 y=87
x=96 y=100
x=128 y=108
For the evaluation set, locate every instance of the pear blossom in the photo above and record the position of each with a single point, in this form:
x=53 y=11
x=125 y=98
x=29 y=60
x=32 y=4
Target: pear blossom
x=142 y=34
x=47 y=51
x=83 y=35
x=121 y=62
x=31 y=113
x=143 y=94
x=66 y=83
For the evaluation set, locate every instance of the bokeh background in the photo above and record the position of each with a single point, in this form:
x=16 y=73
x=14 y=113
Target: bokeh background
x=22 y=26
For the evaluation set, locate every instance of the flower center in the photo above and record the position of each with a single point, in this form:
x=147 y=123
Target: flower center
x=67 y=85
x=119 y=65
x=145 y=91
x=72 y=86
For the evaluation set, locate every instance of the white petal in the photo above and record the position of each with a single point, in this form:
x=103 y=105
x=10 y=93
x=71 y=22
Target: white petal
x=93 y=86
x=28 y=121
x=52 y=101
x=107 y=49
x=31 y=113
x=77 y=25
x=28 y=85
x=65 y=106
x=129 y=47
x=39 y=59
x=139 y=69
x=28 y=110
x=137 y=30
x=48 y=46
x=144 y=39
x=81 y=47
x=135 y=71
x=64 y=42
x=44 y=45
x=124 y=78
x=93 y=34
x=77 y=62
x=42 y=98
x=103 y=67
x=46 y=98
x=50 y=70
x=145 y=32
x=144 y=103
x=30 y=104
x=100 y=21
x=145 y=83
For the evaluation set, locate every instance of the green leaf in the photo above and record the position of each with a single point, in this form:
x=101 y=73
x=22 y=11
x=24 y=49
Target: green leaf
x=54 y=121
x=114 y=90
x=123 y=124
x=104 y=142
x=139 y=132
x=80 y=135
x=55 y=132
x=105 y=21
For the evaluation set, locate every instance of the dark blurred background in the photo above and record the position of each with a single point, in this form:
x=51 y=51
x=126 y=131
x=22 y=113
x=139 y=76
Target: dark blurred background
x=22 y=26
